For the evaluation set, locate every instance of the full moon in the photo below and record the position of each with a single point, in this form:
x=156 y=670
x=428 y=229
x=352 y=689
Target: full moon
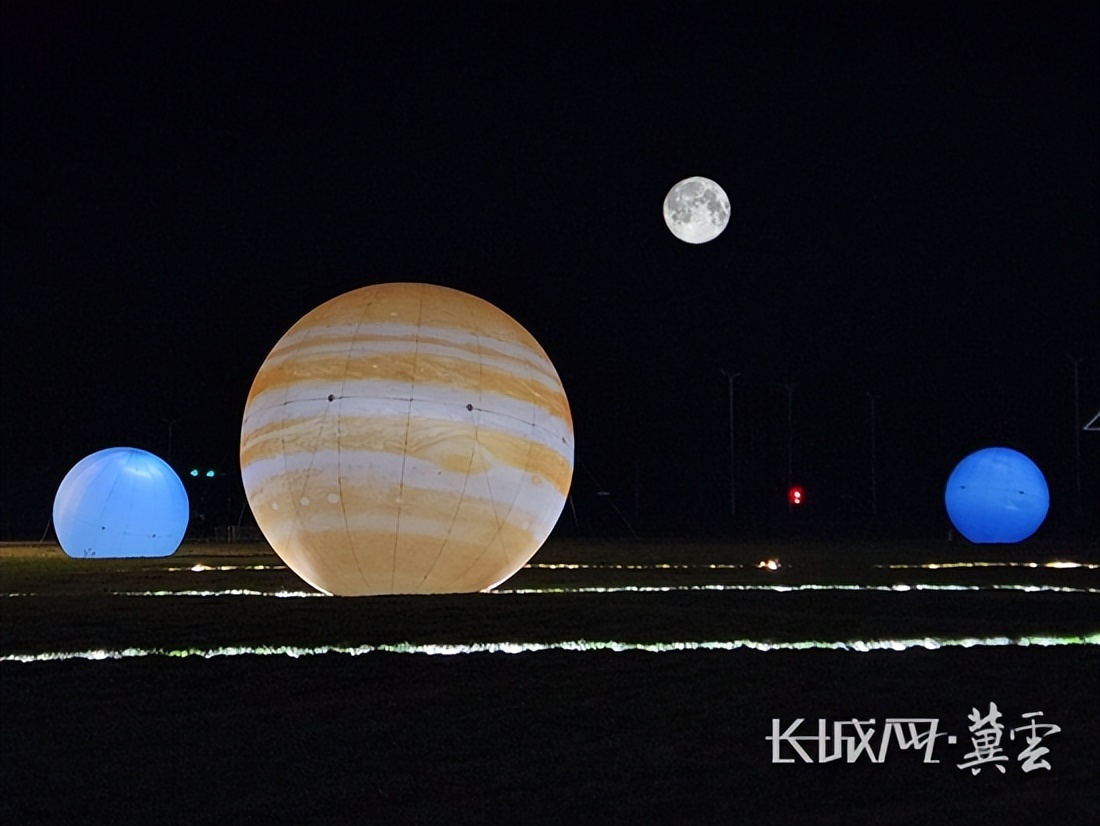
x=697 y=210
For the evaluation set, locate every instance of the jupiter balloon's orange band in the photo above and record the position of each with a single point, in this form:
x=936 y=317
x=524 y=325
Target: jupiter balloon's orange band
x=424 y=305
x=406 y=438
x=409 y=339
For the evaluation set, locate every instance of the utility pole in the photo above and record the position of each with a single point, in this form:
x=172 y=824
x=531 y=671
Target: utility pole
x=874 y=483
x=731 y=377
x=1076 y=362
x=790 y=440
x=171 y=423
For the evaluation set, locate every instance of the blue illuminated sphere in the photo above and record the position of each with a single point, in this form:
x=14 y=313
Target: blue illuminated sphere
x=997 y=495
x=120 y=502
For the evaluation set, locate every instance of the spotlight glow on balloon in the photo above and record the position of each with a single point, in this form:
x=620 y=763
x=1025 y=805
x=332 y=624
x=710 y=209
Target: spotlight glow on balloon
x=406 y=438
x=696 y=210
x=120 y=502
x=997 y=495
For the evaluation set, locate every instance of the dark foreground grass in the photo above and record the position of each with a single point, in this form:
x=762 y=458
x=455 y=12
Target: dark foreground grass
x=544 y=737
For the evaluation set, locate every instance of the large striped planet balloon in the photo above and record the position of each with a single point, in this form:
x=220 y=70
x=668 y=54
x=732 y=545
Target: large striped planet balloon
x=406 y=438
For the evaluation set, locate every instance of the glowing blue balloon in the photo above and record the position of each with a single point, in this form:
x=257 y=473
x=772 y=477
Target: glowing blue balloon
x=120 y=502
x=997 y=495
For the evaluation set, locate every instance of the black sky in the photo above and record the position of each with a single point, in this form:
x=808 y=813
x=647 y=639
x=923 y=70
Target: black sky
x=915 y=217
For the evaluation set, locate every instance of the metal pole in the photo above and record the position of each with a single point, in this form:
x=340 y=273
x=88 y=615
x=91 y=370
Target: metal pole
x=171 y=423
x=1077 y=425
x=874 y=485
x=637 y=495
x=790 y=442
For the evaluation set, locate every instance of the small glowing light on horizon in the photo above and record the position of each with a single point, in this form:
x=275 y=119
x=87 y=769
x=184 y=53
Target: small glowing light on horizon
x=770 y=564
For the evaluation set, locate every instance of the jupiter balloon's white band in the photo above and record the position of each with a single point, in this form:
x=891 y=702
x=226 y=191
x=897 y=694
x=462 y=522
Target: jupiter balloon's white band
x=384 y=397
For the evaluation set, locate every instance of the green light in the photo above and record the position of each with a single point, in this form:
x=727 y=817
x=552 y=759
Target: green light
x=194 y=471
x=210 y=474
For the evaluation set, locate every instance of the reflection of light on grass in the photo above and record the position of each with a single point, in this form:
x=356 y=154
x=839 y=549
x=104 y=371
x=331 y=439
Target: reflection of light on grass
x=928 y=643
x=933 y=566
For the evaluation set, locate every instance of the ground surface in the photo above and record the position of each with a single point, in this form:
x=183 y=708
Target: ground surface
x=541 y=737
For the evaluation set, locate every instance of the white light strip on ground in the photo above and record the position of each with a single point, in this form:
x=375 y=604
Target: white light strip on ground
x=556 y=566
x=927 y=643
x=576 y=566
x=200 y=567
x=681 y=566
x=228 y=592
x=932 y=566
x=899 y=588
x=788 y=588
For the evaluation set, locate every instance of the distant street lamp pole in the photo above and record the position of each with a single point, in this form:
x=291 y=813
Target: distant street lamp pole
x=790 y=440
x=731 y=377
x=874 y=484
x=171 y=423
x=1077 y=424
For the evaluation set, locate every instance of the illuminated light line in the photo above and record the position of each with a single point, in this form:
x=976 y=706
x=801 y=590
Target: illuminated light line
x=200 y=567
x=510 y=647
x=789 y=588
x=578 y=566
x=898 y=588
x=937 y=565
x=229 y=592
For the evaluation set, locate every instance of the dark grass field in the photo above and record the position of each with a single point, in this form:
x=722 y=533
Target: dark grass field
x=546 y=736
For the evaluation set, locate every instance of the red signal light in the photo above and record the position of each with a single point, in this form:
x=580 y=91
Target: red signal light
x=794 y=495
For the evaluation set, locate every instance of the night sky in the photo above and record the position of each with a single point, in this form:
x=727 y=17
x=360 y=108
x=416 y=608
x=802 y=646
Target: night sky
x=914 y=192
